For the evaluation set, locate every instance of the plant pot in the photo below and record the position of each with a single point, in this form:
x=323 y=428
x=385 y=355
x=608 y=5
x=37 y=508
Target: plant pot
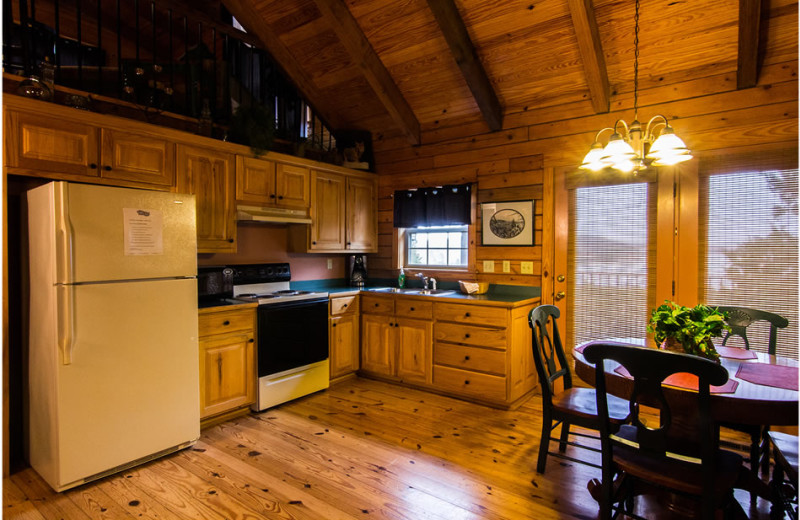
x=672 y=345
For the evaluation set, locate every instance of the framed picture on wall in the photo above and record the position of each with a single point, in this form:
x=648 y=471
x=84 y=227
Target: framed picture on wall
x=507 y=223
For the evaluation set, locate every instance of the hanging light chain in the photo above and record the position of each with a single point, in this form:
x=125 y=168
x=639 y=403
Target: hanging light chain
x=636 y=63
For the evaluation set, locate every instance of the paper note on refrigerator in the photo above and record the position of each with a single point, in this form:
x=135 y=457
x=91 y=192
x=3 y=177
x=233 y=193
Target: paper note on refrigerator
x=143 y=231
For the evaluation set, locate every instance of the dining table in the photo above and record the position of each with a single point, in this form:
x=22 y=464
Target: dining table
x=762 y=389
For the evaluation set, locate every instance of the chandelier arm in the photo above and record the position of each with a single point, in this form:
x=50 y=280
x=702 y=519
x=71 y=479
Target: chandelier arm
x=618 y=121
x=647 y=133
x=597 y=135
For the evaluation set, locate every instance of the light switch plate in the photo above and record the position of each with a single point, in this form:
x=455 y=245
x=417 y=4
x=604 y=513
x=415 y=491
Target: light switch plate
x=506 y=266
x=330 y=263
x=526 y=267
x=488 y=266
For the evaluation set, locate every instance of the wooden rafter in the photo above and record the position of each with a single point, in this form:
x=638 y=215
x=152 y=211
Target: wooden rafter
x=455 y=32
x=366 y=59
x=591 y=49
x=749 y=36
x=253 y=23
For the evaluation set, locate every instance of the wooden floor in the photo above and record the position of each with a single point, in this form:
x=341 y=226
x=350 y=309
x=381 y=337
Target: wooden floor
x=360 y=450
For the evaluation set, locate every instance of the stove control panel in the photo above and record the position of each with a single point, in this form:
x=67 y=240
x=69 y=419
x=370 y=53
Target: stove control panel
x=260 y=273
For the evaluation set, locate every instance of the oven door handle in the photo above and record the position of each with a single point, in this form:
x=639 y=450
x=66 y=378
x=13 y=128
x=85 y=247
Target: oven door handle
x=295 y=303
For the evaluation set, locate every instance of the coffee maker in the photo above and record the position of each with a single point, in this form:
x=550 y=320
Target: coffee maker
x=357 y=268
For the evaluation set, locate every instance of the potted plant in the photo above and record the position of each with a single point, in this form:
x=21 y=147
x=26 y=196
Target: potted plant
x=687 y=329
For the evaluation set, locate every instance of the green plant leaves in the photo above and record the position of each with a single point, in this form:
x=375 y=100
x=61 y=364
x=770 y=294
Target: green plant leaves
x=692 y=327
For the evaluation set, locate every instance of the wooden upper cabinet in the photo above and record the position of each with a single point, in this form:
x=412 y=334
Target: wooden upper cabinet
x=362 y=217
x=44 y=144
x=268 y=183
x=292 y=186
x=209 y=176
x=137 y=157
x=328 y=212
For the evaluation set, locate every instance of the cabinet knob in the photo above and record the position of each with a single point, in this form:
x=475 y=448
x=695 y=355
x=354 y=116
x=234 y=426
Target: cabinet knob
x=272 y=195
x=333 y=324
x=230 y=240
x=466 y=336
x=466 y=315
x=314 y=243
x=348 y=243
x=377 y=305
x=107 y=168
x=344 y=306
x=251 y=340
x=412 y=308
x=280 y=197
x=93 y=166
x=466 y=382
x=226 y=322
x=466 y=358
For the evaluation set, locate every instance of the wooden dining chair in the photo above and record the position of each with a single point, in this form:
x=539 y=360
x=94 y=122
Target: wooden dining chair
x=783 y=484
x=571 y=406
x=663 y=455
x=739 y=319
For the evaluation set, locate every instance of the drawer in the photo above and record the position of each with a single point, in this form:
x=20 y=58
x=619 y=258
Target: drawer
x=470 y=358
x=413 y=308
x=472 y=314
x=465 y=382
x=377 y=304
x=343 y=305
x=222 y=322
x=467 y=335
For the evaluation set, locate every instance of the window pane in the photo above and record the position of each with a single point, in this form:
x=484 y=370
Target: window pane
x=750 y=248
x=437 y=257
x=419 y=239
x=609 y=237
x=418 y=257
x=456 y=239
x=455 y=257
x=437 y=239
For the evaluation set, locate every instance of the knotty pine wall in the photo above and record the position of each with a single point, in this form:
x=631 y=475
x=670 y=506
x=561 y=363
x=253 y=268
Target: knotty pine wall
x=536 y=145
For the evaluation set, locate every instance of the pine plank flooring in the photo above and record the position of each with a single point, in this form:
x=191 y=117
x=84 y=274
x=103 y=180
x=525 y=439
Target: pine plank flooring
x=362 y=449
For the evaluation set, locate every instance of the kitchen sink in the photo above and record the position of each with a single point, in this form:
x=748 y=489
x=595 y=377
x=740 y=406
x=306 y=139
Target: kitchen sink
x=394 y=290
x=434 y=292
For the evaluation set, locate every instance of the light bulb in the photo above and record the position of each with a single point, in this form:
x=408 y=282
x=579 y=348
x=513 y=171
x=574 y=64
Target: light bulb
x=593 y=161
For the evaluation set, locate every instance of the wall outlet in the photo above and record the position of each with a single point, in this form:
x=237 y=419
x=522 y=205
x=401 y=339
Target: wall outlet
x=526 y=267
x=506 y=266
x=488 y=266
x=330 y=263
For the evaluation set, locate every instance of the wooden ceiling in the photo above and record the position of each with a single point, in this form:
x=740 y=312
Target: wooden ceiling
x=399 y=68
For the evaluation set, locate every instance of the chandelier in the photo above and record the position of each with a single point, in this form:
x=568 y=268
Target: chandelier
x=634 y=150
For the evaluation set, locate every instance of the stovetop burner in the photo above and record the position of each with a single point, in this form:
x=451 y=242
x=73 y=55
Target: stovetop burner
x=267 y=283
x=289 y=292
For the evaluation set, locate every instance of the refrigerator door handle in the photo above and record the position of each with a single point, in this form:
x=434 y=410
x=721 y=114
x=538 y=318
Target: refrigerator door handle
x=66 y=322
x=64 y=235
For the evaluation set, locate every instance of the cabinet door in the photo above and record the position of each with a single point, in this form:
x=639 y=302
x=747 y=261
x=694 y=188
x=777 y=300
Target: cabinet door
x=327 y=227
x=255 y=180
x=138 y=158
x=208 y=176
x=343 y=335
x=362 y=221
x=377 y=348
x=47 y=144
x=292 y=186
x=227 y=376
x=413 y=339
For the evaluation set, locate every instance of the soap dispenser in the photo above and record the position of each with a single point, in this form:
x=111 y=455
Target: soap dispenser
x=401 y=279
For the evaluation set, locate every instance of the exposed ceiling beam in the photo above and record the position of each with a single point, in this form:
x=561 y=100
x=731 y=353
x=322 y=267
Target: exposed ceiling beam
x=254 y=24
x=455 y=32
x=749 y=36
x=366 y=59
x=591 y=49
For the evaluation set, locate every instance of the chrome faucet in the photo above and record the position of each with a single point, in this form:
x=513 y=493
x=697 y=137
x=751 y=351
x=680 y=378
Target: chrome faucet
x=424 y=280
x=433 y=284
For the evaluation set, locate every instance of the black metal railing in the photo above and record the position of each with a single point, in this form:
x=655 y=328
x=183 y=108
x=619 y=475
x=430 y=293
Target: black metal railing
x=145 y=53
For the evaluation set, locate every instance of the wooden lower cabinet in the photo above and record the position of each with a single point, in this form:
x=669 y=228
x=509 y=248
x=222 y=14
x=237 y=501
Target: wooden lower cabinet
x=474 y=351
x=343 y=334
x=227 y=361
x=396 y=338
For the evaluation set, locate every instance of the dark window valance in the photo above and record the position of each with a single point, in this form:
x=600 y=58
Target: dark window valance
x=438 y=206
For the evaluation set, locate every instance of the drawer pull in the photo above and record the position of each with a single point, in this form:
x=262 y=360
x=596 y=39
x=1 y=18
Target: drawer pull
x=466 y=382
x=272 y=195
x=466 y=315
x=344 y=306
x=107 y=168
x=251 y=340
x=333 y=325
x=466 y=358
x=412 y=308
x=226 y=322
x=377 y=305
x=93 y=166
x=466 y=336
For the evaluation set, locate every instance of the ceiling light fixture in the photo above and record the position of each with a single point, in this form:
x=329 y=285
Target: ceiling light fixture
x=634 y=150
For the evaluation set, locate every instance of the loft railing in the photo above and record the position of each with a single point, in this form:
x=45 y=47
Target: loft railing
x=192 y=65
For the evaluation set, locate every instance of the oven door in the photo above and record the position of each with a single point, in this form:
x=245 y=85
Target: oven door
x=292 y=335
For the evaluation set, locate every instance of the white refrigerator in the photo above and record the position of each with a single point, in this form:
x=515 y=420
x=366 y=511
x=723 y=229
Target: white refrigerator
x=113 y=355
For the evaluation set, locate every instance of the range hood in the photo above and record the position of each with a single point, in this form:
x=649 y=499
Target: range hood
x=269 y=214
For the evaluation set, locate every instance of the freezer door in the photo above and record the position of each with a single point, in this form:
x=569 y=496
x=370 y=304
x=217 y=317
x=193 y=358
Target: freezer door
x=132 y=387
x=106 y=233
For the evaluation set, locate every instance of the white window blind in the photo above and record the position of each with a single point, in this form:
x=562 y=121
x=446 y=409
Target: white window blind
x=609 y=261
x=749 y=247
